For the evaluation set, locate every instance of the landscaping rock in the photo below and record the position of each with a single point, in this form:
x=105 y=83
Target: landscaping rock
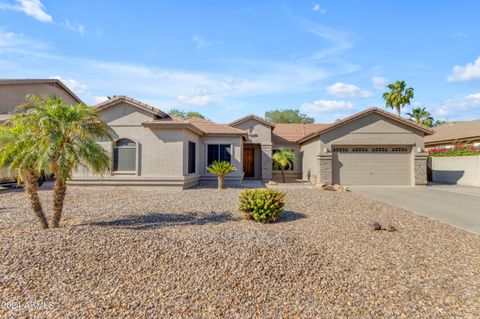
x=155 y=253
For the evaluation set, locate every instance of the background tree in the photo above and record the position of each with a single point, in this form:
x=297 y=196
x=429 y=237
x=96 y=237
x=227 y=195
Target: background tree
x=282 y=160
x=221 y=169
x=19 y=156
x=183 y=114
x=398 y=96
x=421 y=116
x=66 y=136
x=288 y=116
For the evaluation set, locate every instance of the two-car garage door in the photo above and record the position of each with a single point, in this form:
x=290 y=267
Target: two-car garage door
x=372 y=165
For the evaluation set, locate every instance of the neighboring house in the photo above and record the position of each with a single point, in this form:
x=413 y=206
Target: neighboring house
x=462 y=132
x=13 y=92
x=152 y=148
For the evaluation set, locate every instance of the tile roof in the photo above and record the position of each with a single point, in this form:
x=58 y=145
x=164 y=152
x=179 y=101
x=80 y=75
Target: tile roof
x=119 y=98
x=210 y=127
x=292 y=132
x=249 y=117
x=462 y=130
x=53 y=82
x=355 y=116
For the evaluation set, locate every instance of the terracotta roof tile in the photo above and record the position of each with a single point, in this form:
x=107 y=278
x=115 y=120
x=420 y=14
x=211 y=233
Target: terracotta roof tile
x=292 y=132
x=210 y=127
x=119 y=98
x=353 y=117
x=462 y=130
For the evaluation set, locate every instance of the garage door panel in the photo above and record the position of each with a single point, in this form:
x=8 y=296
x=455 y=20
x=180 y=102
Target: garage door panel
x=372 y=165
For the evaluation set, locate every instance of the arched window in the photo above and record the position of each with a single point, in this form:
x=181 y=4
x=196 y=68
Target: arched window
x=125 y=156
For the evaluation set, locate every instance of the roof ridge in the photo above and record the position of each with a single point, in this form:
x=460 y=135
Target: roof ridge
x=48 y=81
x=136 y=102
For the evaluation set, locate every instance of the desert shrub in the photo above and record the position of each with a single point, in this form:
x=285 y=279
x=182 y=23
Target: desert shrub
x=262 y=205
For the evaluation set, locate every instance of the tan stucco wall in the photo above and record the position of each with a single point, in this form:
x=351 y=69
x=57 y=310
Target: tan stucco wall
x=11 y=95
x=310 y=163
x=161 y=153
x=257 y=132
x=460 y=170
x=373 y=129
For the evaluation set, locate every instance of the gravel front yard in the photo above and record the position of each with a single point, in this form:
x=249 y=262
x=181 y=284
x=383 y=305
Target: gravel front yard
x=143 y=252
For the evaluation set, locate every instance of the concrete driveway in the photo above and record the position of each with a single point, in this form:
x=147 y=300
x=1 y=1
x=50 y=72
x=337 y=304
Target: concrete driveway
x=452 y=204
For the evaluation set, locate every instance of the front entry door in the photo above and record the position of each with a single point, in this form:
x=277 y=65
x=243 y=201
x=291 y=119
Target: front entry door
x=248 y=162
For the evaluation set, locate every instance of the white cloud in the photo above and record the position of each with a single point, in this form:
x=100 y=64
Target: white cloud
x=339 y=41
x=197 y=100
x=73 y=26
x=200 y=41
x=347 y=91
x=99 y=99
x=318 y=8
x=471 y=71
x=467 y=107
x=77 y=87
x=33 y=8
x=321 y=106
x=379 y=82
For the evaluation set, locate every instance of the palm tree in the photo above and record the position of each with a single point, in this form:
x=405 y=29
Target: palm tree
x=421 y=116
x=283 y=159
x=221 y=169
x=19 y=155
x=66 y=136
x=398 y=96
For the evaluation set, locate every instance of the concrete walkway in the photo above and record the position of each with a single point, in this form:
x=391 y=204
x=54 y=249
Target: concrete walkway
x=452 y=204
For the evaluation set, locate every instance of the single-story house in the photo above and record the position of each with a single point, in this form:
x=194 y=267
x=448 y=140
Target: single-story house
x=373 y=147
x=461 y=132
x=150 y=147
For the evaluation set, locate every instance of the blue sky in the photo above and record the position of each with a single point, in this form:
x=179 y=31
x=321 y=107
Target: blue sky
x=227 y=59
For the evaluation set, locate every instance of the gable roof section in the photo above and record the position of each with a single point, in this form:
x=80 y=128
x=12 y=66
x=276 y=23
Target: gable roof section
x=456 y=131
x=210 y=127
x=292 y=132
x=173 y=122
x=361 y=114
x=53 y=82
x=122 y=98
x=252 y=117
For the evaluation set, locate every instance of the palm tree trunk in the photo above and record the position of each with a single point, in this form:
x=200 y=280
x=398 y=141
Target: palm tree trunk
x=220 y=182
x=283 y=176
x=59 y=192
x=398 y=111
x=31 y=187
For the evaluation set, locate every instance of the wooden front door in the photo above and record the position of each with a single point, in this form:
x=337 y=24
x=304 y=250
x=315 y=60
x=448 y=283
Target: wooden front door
x=248 y=162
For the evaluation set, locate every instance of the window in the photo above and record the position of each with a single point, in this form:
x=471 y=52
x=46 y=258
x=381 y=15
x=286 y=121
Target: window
x=340 y=149
x=125 y=156
x=359 y=149
x=218 y=152
x=290 y=168
x=379 y=149
x=191 y=157
x=399 y=149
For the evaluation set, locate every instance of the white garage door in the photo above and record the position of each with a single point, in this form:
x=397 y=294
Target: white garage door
x=372 y=165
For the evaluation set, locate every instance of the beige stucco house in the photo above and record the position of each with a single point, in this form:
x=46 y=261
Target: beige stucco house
x=150 y=147
x=373 y=147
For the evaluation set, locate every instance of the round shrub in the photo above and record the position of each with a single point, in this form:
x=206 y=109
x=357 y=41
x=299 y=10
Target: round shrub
x=262 y=205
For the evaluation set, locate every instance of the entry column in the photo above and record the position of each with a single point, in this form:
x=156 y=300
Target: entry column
x=266 y=162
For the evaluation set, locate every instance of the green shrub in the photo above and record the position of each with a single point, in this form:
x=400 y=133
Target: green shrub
x=262 y=205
